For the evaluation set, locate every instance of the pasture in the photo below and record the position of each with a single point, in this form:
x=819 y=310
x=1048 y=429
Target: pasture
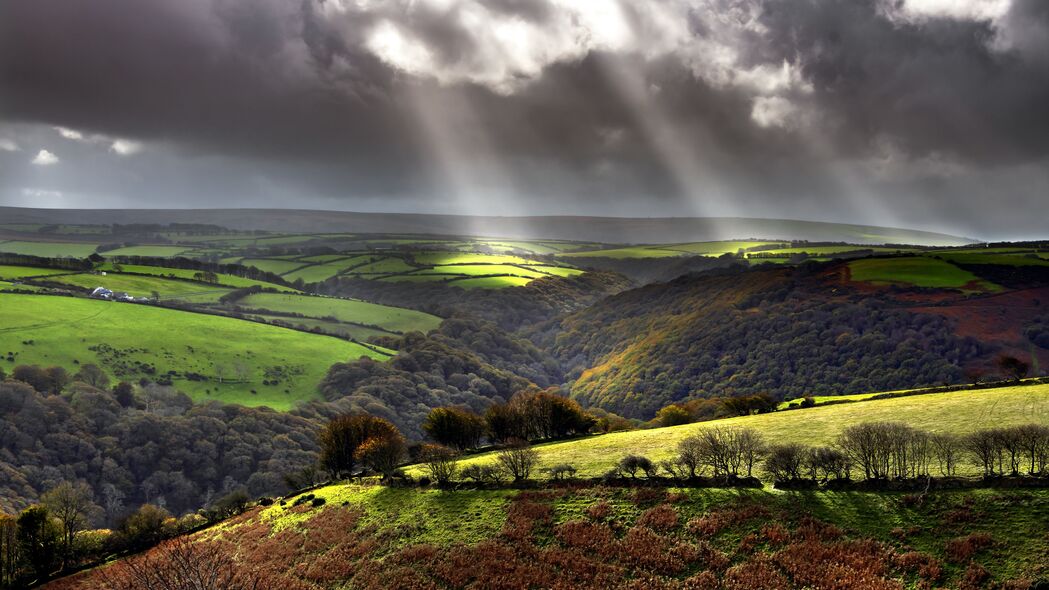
x=49 y=249
x=392 y=319
x=918 y=271
x=145 y=285
x=953 y=412
x=208 y=357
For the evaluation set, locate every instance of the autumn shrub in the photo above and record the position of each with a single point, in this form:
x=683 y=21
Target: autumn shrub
x=962 y=549
x=662 y=518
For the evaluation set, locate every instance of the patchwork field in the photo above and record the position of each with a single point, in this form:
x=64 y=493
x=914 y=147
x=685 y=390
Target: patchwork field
x=188 y=274
x=392 y=319
x=953 y=412
x=48 y=249
x=144 y=286
x=208 y=357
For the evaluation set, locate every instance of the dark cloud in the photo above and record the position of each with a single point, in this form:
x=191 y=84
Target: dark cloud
x=830 y=110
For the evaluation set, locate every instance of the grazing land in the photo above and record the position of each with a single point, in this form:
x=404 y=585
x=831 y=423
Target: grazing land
x=919 y=271
x=48 y=249
x=208 y=357
x=952 y=412
x=391 y=319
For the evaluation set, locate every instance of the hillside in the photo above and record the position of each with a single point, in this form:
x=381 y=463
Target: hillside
x=375 y=537
x=206 y=356
x=956 y=413
x=596 y=229
x=818 y=329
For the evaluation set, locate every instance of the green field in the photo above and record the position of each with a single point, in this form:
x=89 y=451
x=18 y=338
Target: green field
x=440 y=258
x=143 y=286
x=394 y=319
x=482 y=270
x=491 y=282
x=156 y=251
x=557 y=271
x=314 y=273
x=955 y=412
x=919 y=271
x=272 y=265
x=352 y=331
x=1020 y=259
x=185 y=273
x=381 y=266
x=831 y=250
x=14 y=273
x=49 y=249
x=132 y=341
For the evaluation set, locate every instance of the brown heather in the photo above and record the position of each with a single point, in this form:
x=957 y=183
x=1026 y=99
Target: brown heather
x=336 y=548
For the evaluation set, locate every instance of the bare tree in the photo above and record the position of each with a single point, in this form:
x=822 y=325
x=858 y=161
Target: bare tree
x=519 y=458
x=947 y=448
x=982 y=446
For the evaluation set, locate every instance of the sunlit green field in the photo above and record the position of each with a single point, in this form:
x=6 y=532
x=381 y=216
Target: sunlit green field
x=919 y=271
x=954 y=412
x=439 y=258
x=394 y=319
x=131 y=341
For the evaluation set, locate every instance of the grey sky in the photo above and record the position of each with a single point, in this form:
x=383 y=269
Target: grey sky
x=919 y=113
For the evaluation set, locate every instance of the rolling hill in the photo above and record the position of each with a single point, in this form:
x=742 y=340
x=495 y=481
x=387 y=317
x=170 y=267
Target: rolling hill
x=596 y=229
x=209 y=357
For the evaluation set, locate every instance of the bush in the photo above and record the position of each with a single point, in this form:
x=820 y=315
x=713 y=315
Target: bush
x=440 y=461
x=562 y=472
x=488 y=474
x=632 y=464
x=784 y=462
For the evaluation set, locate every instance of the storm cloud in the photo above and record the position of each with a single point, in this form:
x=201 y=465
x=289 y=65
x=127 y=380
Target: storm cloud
x=919 y=113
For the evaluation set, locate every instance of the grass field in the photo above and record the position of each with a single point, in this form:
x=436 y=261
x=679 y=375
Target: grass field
x=557 y=271
x=314 y=273
x=1019 y=259
x=13 y=273
x=440 y=258
x=954 y=412
x=353 y=331
x=49 y=249
x=394 y=319
x=132 y=341
x=185 y=273
x=272 y=265
x=143 y=286
x=824 y=399
x=482 y=270
x=156 y=251
x=491 y=282
x=919 y=271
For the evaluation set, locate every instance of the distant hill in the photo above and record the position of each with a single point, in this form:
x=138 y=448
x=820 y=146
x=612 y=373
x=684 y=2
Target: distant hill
x=613 y=230
x=789 y=332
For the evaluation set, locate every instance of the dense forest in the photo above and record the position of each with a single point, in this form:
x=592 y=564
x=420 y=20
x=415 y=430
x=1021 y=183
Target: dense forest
x=741 y=332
